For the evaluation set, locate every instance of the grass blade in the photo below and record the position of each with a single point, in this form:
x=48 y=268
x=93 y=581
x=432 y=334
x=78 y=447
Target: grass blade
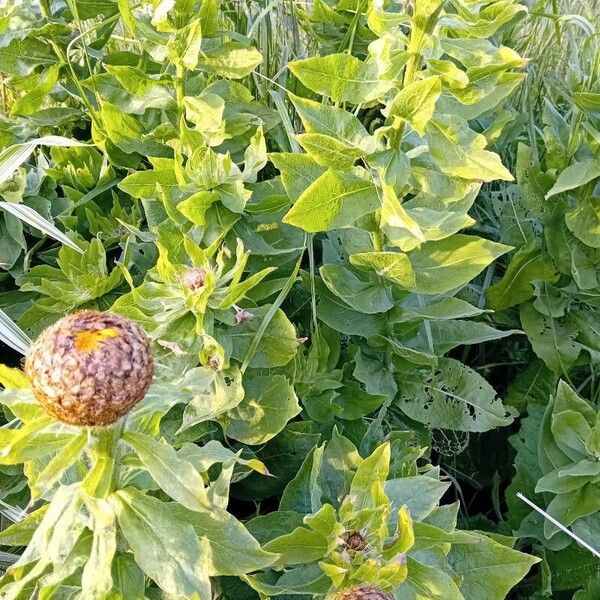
x=12 y=335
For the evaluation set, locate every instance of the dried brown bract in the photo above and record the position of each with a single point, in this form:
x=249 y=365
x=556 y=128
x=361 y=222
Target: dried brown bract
x=90 y=368
x=363 y=593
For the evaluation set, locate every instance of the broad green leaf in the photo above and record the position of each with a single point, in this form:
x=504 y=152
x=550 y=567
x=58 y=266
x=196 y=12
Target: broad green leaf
x=451 y=396
x=277 y=346
x=372 y=470
x=447 y=335
x=184 y=47
x=55 y=468
x=29 y=103
x=584 y=220
x=576 y=175
x=230 y=59
x=459 y=151
x=298 y=172
x=552 y=340
x=175 y=476
x=420 y=494
x=306 y=544
x=342 y=77
x=31 y=441
x=488 y=569
x=230 y=548
x=401 y=229
x=415 y=103
x=208 y=393
x=452 y=262
x=528 y=264
x=363 y=296
x=427 y=583
x=196 y=206
x=330 y=121
x=21 y=56
x=329 y=152
x=333 y=201
x=394 y=266
x=96 y=579
x=268 y=404
x=448 y=308
x=13 y=378
x=167 y=549
x=144 y=184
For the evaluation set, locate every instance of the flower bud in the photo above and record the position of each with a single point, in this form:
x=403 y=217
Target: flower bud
x=194 y=278
x=363 y=592
x=355 y=541
x=90 y=368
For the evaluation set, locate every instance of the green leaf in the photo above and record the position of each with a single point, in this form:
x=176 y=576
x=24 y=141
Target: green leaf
x=175 y=476
x=231 y=549
x=269 y=403
x=459 y=151
x=54 y=470
x=552 y=340
x=298 y=172
x=447 y=335
x=488 y=569
x=330 y=121
x=20 y=57
x=394 y=266
x=447 y=264
x=415 y=103
x=451 y=396
x=329 y=151
x=333 y=201
x=143 y=184
x=207 y=393
x=342 y=77
x=277 y=346
x=184 y=47
x=528 y=264
x=420 y=494
x=306 y=544
x=363 y=296
x=230 y=59
x=576 y=175
x=584 y=221
x=168 y=550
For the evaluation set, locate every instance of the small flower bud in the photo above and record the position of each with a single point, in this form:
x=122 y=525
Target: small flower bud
x=194 y=278
x=363 y=593
x=355 y=541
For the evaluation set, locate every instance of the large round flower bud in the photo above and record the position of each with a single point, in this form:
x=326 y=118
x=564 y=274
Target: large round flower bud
x=363 y=592
x=90 y=368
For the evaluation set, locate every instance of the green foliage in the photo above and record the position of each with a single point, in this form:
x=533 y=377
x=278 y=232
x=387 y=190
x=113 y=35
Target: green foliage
x=363 y=239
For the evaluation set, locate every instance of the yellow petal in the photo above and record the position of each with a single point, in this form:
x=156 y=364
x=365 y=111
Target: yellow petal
x=88 y=341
